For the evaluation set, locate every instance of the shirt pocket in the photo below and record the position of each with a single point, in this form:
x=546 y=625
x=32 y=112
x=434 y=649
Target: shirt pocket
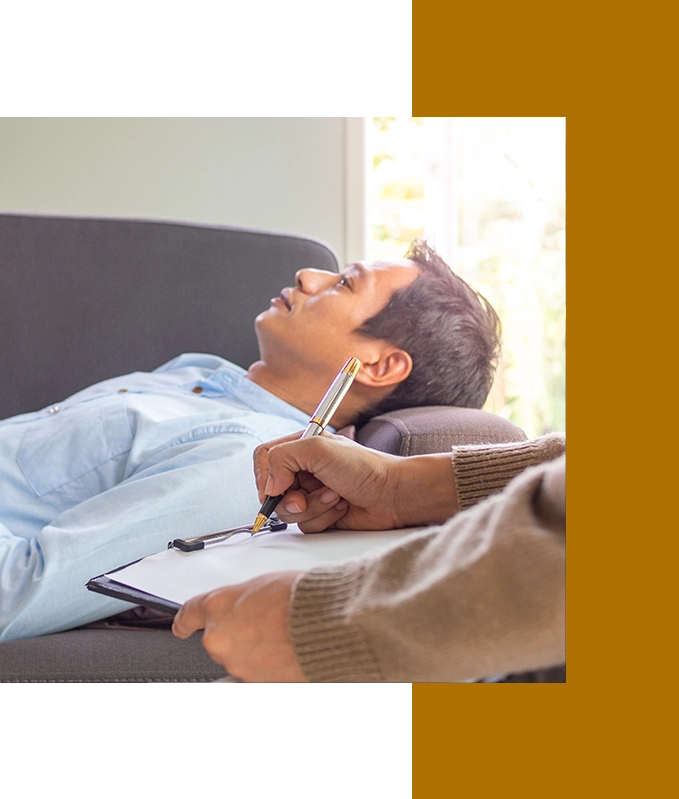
x=67 y=445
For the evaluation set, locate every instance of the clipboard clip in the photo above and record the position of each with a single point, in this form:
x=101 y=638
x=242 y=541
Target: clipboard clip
x=201 y=541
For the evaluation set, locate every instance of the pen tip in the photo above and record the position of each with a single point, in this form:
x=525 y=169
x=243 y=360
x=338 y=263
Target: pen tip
x=259 y=523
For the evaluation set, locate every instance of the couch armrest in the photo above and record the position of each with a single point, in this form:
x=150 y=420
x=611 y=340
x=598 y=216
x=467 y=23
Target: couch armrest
x=418 y=431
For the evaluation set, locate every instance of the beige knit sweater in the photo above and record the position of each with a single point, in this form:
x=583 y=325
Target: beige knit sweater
x=482 y=594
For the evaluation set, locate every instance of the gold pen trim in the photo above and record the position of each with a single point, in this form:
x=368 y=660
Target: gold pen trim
x=260 y=521
x=352 y=367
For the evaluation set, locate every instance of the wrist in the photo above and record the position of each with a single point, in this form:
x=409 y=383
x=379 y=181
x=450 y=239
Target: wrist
x=425 y=490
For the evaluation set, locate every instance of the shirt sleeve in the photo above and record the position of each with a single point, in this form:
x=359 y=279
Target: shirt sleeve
x=481 y=595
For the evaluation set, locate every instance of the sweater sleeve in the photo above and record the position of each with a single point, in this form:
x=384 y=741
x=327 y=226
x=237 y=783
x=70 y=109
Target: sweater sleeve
x=484 y=469
x=482 y=594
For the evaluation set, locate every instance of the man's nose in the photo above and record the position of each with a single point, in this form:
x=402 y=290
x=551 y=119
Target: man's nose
x=311 y=281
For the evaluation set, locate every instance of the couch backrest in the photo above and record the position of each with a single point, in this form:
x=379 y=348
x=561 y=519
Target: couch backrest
x=84 y=299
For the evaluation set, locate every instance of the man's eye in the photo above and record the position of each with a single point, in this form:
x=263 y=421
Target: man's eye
x=344 y=282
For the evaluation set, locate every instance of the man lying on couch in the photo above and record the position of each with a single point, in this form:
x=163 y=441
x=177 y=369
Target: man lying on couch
x=113 y=472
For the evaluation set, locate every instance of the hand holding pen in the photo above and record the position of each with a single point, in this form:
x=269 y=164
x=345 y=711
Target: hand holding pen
x=320 y=419
x=333 y=482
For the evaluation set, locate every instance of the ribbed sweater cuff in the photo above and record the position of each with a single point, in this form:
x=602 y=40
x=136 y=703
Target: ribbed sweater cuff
x=327 y=647
x=485 y=469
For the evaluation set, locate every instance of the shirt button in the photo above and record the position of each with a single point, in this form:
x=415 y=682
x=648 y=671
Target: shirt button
x=54 y=409
x=122 y=390
x=197 y=390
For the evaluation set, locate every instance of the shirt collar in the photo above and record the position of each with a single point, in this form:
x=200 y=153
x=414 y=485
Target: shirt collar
x=232 y=379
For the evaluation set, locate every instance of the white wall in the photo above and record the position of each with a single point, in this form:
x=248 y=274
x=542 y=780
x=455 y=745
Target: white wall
x=285 y=174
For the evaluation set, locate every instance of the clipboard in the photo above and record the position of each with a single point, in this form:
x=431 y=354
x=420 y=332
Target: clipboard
x=103 y=584
x=166 y=580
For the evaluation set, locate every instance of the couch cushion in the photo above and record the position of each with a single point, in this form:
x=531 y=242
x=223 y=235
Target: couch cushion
x=107 y=655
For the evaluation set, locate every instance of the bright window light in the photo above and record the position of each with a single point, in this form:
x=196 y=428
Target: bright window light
x=489 y=194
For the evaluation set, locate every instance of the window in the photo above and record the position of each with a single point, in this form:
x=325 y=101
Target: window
x=489 y=194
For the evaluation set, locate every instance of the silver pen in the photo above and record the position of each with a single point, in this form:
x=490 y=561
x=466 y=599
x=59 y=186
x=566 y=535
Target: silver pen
x=321 y=418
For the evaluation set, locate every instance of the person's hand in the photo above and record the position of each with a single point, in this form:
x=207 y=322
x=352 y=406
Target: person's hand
x=330 y=481
x=246 y=628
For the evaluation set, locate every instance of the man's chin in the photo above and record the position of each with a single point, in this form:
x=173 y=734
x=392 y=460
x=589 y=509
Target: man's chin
x=267 y=325
x=263 y=317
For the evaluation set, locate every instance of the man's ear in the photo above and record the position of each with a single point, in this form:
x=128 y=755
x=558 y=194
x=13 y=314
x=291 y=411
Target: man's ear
x=390 y=369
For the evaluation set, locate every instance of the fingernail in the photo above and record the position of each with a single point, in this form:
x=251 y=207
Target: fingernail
x=268 y=487
x=342 y=505
x=292 y=507
x=328 y=497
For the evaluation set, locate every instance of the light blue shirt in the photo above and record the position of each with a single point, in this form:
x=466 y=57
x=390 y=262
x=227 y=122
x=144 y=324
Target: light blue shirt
x=116 y=471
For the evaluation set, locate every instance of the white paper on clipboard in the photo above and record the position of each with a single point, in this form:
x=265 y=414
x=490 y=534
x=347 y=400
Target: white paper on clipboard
x=177 y=576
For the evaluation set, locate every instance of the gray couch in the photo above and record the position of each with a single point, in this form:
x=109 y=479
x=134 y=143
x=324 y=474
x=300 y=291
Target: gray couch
x=84 y=299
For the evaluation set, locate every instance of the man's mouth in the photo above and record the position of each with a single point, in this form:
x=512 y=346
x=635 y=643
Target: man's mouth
x=284 y=296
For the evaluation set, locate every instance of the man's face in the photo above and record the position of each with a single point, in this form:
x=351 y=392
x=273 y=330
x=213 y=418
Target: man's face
x=314 y=323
